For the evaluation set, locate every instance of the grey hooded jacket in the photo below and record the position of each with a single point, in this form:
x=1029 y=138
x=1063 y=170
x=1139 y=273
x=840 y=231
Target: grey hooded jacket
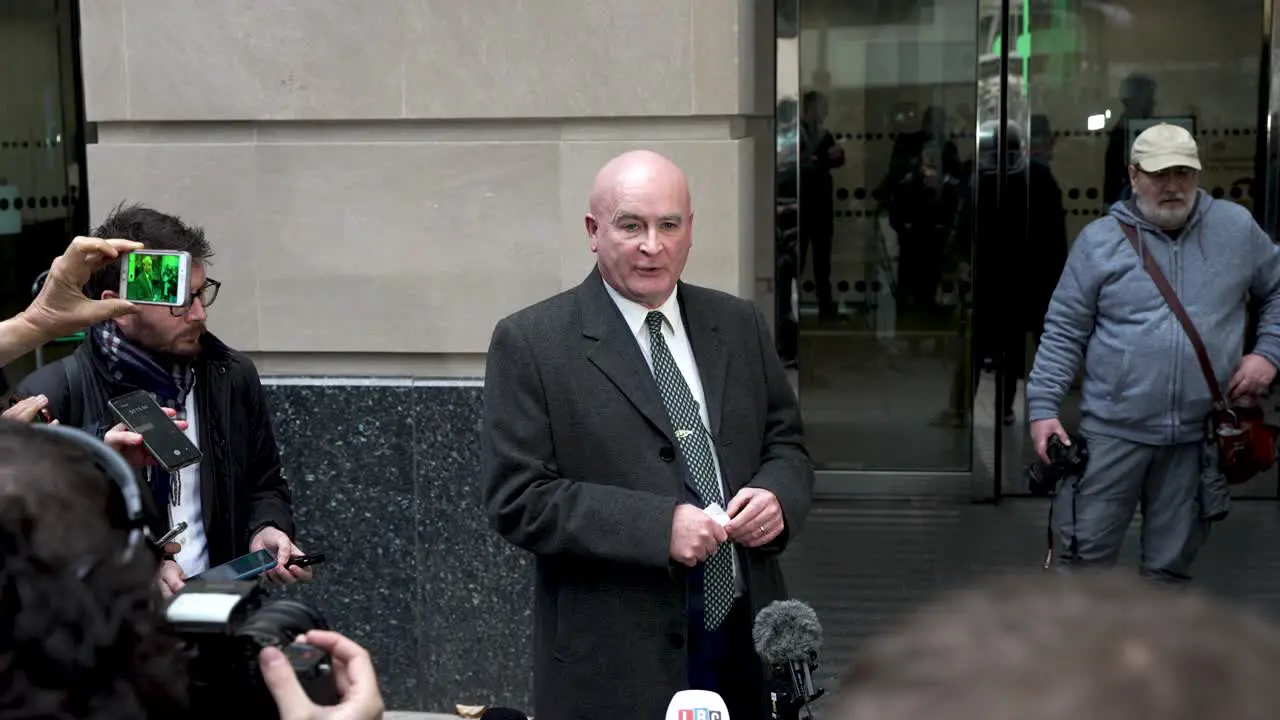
x=1141 y=379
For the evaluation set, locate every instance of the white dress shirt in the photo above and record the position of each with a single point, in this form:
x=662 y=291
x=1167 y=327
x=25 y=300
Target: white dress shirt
x=677 y=338
x=194 y=556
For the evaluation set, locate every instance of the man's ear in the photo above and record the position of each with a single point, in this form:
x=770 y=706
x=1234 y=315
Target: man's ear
x=110 y=294
x=593 y=227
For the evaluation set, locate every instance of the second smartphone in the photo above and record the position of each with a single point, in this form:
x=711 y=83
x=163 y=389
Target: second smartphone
x=167 y=444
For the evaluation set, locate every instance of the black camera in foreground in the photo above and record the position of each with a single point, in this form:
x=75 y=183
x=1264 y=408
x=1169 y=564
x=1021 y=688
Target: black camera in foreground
x=1065 y=461
x=224 y=624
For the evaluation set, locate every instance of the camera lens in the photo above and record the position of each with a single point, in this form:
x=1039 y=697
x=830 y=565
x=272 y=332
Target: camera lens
x=280 y=622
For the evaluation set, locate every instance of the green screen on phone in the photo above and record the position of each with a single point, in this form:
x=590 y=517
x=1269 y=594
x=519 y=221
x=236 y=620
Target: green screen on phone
x=152 y=278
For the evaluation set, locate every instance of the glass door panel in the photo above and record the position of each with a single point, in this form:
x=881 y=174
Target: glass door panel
x=884 y=119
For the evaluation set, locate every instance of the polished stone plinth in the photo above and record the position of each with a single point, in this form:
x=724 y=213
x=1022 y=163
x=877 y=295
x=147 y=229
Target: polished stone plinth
x=385 y=482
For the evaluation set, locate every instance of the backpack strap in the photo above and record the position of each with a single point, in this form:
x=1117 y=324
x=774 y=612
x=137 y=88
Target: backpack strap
x=75 y=388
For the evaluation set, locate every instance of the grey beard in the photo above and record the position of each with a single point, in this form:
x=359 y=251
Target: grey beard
x=1163 y=218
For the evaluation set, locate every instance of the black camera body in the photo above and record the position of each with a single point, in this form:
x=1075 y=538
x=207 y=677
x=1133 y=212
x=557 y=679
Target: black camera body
x=224 y=625
x=1065 y=461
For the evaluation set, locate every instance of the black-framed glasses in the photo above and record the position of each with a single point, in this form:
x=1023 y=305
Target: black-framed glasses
x=207 y=294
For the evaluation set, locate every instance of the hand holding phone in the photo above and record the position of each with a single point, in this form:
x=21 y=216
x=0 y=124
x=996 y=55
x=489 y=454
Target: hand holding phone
x=61 y=303
x=30 y=409
x=307 y=560
x=129 y=443
x=276 y=541
x=163 y=439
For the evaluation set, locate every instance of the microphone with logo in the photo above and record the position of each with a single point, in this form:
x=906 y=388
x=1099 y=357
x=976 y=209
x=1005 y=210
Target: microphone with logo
x=787 y=636
x=697 y=705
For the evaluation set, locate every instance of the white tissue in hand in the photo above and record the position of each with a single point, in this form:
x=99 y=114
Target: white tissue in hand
x=717 y=513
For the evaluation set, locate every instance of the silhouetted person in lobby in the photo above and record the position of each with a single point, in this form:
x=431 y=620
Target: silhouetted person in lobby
x=1042 y=140
x=1145 y=402
x=819 y=155
x=1138 y=95
x=786 y=260
x=922 y=191
x=909 y=145
x=1018 y=256
x=614 y=413
x=786 y=233
x=1044 y=647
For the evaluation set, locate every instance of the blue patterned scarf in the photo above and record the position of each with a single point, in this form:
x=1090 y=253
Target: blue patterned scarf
x=167 y=381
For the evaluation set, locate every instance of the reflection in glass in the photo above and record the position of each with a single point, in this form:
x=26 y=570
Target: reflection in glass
x=885 y=105
x=787 y=182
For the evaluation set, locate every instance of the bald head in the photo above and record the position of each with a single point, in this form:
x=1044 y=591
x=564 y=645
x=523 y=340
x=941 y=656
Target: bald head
x=640 y=225
x=638 y=167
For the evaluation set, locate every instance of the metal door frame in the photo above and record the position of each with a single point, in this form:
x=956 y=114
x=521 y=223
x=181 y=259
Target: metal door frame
x=1266 y=185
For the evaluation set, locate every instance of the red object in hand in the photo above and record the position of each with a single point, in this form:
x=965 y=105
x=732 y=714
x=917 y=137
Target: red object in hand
x=836 y=153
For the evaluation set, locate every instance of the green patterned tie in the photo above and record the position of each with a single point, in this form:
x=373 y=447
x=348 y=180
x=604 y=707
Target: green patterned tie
x=695 y=446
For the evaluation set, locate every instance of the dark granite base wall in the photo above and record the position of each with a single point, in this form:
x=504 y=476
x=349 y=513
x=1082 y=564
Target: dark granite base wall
x=385 y=481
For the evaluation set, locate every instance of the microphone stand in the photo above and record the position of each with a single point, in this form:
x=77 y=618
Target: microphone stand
x=791 y=691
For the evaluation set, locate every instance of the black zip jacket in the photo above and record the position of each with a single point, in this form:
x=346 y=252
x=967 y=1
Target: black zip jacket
x=241 y=486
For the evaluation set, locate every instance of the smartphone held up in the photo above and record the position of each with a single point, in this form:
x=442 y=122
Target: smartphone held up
x=170 y=447
x=156 y=277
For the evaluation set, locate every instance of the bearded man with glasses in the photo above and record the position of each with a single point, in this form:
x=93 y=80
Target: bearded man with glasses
x=234 y=502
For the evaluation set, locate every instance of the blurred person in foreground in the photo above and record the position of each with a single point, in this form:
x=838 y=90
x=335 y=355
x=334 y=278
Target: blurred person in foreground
x=237 y=500
x=82 y=628
x=1068 y=647
x=70 y=646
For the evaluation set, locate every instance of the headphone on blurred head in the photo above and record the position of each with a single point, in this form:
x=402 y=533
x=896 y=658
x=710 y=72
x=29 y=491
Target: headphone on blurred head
x=111 y=464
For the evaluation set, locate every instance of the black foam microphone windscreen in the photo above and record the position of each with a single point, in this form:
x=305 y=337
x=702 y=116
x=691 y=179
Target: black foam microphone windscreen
x=787 y=631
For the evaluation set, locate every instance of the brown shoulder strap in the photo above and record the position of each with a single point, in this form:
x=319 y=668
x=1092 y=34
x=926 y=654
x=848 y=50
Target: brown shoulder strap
x=1170 y=297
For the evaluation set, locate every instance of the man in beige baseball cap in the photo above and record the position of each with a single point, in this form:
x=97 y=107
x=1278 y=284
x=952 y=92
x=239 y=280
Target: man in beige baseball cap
x=1145 y=402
